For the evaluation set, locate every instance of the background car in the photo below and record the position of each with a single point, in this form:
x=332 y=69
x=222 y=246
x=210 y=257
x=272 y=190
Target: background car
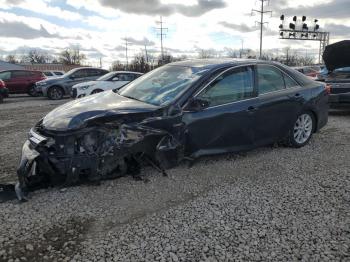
x=3 y=91
x=52 y=74
x=112 y=80
x=21 y=81
x=309 y=71
x=339 y=81
x=57 y=88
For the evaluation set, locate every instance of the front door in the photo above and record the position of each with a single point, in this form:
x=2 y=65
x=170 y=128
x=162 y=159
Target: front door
x=227 y=124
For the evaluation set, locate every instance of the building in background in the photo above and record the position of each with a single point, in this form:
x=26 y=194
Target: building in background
x=49 y=67
x=8 y=66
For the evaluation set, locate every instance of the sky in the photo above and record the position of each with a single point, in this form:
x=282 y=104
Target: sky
x=99 y=27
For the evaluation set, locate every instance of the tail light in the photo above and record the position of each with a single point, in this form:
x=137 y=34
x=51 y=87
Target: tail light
x=2 y=83
x=328 y=88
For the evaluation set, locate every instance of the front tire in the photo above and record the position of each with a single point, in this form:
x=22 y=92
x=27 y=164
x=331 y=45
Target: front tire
x=301 y=132
x=55 y=93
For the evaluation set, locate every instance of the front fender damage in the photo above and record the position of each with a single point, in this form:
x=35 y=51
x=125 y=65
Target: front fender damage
x=96 y=153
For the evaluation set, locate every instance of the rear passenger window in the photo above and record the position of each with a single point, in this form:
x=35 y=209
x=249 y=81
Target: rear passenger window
x=289 y=81
x=18 y=74
x=270 y=79
x=48 y=74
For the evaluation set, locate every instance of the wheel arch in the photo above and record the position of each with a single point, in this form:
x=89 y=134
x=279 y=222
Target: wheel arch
x=315 y=116
x=96 y=89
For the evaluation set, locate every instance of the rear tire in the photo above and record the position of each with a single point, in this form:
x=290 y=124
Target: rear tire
x=301 y=132
x=32 y=92
x=55 y=93
x=96 y=91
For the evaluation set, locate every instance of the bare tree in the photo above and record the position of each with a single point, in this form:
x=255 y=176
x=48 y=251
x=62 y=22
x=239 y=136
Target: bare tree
x=117 y=66
x=232 y=53
x=12 y=59
x=207 y=53
x=35 y=56
x=139 y=64
x=166 y=59
x=71 y=56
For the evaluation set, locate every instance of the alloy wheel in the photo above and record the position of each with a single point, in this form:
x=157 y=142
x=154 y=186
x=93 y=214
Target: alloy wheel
x=56 y=93
x=303 y=128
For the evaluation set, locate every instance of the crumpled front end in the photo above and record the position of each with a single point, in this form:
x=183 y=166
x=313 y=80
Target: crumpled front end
x=92 y=154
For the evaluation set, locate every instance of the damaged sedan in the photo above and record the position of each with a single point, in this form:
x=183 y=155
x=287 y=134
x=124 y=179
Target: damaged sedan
x=179 y=111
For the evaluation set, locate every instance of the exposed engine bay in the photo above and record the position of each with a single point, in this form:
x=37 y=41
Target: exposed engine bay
x=99 y=152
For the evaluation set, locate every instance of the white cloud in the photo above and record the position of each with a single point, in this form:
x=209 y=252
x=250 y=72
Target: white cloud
x=102 y=32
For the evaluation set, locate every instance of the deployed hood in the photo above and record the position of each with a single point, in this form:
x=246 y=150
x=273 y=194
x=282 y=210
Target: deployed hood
x=337 y=55
x=73 y=115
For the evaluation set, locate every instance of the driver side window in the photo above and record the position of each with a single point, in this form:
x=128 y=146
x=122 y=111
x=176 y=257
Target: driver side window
x=233 y=85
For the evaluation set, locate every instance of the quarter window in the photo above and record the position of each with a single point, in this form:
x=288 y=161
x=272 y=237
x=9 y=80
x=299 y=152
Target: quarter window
x=270 y=79
x=5 y=75
x=233 y=85
x=289 y=82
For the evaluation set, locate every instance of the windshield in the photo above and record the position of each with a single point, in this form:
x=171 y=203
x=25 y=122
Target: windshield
x=106 y=76
x=162 y=85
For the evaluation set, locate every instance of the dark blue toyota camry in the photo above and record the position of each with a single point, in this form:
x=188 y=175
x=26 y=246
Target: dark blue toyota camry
x=182 y=110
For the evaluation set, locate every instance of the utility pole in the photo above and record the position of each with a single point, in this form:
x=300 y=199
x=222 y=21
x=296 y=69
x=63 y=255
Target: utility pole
x=161 y=34
x=126 y=51
x=262 y=12
x=146 y=53
x=240 y=54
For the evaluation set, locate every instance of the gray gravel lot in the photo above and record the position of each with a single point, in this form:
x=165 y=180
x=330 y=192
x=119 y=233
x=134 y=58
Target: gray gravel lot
x=278 y=204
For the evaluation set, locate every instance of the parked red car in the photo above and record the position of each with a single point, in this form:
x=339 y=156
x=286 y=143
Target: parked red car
x=3 y=91
x=21 y=81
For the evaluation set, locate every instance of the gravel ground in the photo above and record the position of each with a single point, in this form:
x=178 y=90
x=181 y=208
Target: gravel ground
x=273 y=203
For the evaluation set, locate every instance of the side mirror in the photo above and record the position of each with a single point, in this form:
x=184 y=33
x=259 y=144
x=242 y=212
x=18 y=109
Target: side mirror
x=197 y=104
x=115 y=78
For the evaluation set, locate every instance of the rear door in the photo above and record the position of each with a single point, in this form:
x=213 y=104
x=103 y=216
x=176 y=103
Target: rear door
x=20 y=81
x=227 y=124
x=280 y=101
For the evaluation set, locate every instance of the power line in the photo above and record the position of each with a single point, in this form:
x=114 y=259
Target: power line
x=161 y=34
x=262 y=12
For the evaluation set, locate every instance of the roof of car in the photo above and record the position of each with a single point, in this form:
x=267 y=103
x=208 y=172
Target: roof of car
x=131 y=72
x=36 y=71
x=217 y=62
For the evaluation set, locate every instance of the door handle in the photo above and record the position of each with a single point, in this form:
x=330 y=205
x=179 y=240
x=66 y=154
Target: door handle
x=295 y=96
x=251 y=109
